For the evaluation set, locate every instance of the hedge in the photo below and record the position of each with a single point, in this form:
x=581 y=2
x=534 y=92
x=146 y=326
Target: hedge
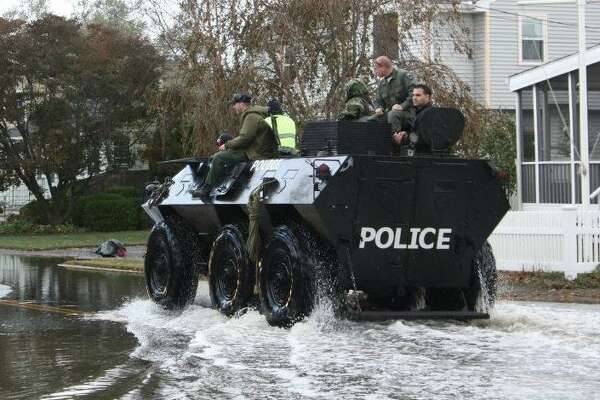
x=117 y=209
x=126 y=191
x=33 y=213
x=80 y=211
x=106 y=215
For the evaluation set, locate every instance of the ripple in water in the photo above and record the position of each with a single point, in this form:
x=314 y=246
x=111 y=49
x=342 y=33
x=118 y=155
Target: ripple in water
x=526 y=351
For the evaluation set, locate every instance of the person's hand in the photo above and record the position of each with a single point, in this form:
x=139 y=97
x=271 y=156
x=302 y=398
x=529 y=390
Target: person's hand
x=222 y=147
x=379 y=111
x=397 y=107
x=399 y=137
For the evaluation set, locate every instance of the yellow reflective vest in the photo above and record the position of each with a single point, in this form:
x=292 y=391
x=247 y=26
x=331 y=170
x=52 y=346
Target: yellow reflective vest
x=286 y=130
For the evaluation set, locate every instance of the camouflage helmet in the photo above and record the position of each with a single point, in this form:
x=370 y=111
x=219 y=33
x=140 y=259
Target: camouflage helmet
x=356 y=88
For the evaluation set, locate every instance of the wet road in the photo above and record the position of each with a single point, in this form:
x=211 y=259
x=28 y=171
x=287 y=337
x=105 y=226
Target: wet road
x=126 y=347
x=45 y=350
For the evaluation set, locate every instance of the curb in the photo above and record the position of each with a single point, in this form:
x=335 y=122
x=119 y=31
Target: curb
x=85 y=267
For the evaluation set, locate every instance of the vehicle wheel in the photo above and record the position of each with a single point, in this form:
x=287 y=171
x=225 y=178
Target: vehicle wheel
x=171 y=275
x=284 y=284
x=482 y=293
x=230 y=271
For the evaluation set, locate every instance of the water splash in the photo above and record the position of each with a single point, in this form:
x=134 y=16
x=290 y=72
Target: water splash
x=420 y=299
x=5 y=291
x=485 y=266
x=528 y=346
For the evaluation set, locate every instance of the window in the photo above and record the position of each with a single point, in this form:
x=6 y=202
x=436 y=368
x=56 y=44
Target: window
x=532 y=32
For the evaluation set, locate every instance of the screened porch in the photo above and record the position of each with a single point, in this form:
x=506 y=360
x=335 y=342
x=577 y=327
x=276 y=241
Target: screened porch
x=551 y=167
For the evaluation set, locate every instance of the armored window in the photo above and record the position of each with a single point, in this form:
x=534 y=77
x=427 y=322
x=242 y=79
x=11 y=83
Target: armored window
x=532 y=32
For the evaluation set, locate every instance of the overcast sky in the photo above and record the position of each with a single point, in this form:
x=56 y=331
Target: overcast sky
x=59 y=7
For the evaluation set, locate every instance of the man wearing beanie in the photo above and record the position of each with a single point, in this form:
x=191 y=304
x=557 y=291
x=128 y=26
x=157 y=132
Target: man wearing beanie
x=255 y=141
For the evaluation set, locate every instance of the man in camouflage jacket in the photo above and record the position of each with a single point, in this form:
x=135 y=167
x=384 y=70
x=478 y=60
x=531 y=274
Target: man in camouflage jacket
x=358 y=102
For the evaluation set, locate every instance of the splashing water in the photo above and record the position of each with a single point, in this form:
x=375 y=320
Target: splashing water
x=527 y=351
x=485 y=266
x=4 y=290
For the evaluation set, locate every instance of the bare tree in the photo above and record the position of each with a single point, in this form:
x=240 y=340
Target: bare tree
x=300 y=52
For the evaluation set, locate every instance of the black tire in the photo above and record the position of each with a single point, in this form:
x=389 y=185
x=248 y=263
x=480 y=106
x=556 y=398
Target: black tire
x=283 y=279
x=482 y=293
x=171 y=274
x=230 y=271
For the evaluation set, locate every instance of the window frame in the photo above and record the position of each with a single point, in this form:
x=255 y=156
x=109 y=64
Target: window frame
x=529 y=2
x=544 y=20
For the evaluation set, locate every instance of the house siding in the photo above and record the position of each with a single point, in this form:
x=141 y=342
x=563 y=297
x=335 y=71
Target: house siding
x=562 y=40
x=414 y=45
x=503 y=51
x=478 y=46
x=462 y=64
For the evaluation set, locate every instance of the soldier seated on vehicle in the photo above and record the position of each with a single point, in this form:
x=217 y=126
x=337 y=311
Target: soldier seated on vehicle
x=255 y=141
x=392 y=102
x=358 y=105
x=421 y=99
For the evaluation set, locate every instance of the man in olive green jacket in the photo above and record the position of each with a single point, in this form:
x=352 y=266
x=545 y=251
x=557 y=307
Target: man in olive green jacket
x=358 y=103
x=393 y=101
x=255 y=141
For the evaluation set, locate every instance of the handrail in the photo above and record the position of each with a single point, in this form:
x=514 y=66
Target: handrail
x=595 y=193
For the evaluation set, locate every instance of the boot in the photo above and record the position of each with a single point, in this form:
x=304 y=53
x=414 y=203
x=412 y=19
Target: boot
x=203 y=192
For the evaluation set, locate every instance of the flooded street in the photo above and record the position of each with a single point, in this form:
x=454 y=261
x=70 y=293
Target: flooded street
x=123 y=346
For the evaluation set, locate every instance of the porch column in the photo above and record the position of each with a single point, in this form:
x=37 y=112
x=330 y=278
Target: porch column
x=519 y=133
x=536 y=140
x=583 y=109
x=573 y=130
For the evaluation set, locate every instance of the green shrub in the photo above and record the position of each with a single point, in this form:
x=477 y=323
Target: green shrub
x=33 y=213
x=588 y=280
x=22 y=226
x=553 y=276
x=16 y=227
x=498 y=141
x=13 y=218
x=79 y=211
x=110 y=214
x=117 y=209
x=126 y=191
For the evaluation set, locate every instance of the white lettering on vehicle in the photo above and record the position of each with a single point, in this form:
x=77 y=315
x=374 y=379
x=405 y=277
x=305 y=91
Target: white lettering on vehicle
x=265 y=165
x=418 y=238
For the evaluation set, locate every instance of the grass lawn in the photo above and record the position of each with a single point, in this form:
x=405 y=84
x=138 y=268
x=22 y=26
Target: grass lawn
x=63 y=241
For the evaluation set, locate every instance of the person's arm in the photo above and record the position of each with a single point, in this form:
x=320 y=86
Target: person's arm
x=408 y=81
x=247 y=134
x=379 y=100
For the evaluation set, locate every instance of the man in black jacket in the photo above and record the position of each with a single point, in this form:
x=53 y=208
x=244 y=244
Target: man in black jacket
x=421 y=99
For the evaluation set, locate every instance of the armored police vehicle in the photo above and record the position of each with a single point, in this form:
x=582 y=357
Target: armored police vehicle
x=380 y=236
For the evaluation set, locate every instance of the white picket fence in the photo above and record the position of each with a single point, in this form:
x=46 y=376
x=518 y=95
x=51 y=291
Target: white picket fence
x=557 y=240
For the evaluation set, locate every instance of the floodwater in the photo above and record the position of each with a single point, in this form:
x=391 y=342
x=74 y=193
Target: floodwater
x=125 y=347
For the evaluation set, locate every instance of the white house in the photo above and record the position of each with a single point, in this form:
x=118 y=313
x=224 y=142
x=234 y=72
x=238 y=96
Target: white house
x=525 y=59
x=511 y=36
x=556 y=225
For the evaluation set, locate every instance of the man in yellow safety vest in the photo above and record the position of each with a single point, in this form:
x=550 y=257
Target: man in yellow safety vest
x=283 y=127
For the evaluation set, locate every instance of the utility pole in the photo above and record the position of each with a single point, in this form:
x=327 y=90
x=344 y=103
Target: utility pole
x=583 y=109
